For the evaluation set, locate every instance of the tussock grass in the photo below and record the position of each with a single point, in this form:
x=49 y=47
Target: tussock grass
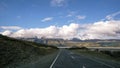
x=14 y=52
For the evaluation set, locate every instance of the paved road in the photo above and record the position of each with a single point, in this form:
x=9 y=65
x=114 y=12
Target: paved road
x=67 y=59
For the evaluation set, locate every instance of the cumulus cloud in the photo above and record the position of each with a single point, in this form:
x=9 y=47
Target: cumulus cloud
x=97 y=30
x=58 y=3
x=10 y=27
x=65 y=32
x=80 y=17
x=102 y=30
x=6 y=32
x=70 y=31
x=47 y=19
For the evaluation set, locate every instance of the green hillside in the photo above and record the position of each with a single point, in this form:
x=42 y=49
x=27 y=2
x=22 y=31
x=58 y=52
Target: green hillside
x=14 y=52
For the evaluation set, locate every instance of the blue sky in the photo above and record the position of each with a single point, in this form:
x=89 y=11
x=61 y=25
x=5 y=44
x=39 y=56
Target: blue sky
x=29 y=13
x=84 y=19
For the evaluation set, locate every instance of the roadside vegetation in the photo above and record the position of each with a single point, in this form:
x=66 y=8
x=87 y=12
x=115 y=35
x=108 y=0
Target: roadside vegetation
x=110 y=44
x=104 y=55
x=14 y=53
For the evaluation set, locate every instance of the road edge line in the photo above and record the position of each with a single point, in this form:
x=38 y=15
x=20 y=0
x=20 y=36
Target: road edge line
x=55 y=60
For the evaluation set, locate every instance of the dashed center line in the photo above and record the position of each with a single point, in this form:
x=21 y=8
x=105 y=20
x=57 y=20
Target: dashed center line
x=72 y=57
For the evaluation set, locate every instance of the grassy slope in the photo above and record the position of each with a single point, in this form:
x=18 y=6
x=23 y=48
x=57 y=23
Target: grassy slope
x=16 y=52
x=42 y=62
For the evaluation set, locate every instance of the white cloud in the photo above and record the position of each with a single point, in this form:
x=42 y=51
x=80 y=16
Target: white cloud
x=47 y=19
x=71 y=13
x=58 y=3
x=10 y=27
x=111 y=16
x=97 y=30
x=80 y=17
x=66 y=32
x=102 y=30
x=6 y=32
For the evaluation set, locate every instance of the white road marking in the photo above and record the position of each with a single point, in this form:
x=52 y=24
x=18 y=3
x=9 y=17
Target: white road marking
x=72 y=57
x=83 y=66
x=55 y=60
x=71 y=53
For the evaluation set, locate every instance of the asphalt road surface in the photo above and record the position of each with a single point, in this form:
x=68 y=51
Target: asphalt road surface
x=67 y=59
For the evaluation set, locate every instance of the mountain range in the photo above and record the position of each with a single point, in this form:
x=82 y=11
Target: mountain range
x=75 y=42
